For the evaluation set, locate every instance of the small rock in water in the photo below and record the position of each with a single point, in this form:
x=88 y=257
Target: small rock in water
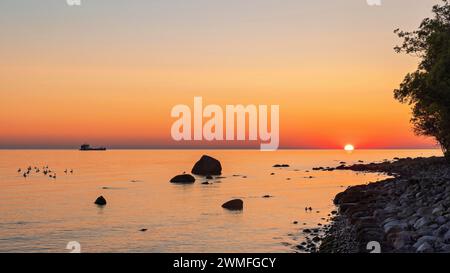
x=295 y=222
x=143 y=230
x=235 y=204
x=281 y=166
x=101 y=201
x=183 y=179
x=267 y=196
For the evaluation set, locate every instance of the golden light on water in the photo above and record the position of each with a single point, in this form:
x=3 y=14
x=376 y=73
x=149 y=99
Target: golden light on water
x=349 y=147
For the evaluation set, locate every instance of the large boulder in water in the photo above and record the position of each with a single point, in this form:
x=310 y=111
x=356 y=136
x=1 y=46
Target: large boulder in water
x=207 y=166
x=235 y=204
x=183 y=179
x=101 y=201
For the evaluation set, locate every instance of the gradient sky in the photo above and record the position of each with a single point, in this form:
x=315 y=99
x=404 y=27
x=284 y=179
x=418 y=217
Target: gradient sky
x=108 y=72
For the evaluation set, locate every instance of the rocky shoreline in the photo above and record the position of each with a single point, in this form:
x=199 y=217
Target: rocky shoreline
x=408 y=213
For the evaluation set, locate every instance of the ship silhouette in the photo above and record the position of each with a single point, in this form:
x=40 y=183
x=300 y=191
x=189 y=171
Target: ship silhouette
x=87 y=147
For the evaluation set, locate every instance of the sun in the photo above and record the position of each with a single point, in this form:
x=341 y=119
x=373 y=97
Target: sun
x=349 y=147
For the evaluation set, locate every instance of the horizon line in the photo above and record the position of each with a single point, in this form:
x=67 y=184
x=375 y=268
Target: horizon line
x=217 y=148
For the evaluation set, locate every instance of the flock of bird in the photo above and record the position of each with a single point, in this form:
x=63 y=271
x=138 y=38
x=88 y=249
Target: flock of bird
x=45 y=170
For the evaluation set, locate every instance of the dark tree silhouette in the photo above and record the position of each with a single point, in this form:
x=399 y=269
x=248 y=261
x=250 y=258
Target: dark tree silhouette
x=427 y=89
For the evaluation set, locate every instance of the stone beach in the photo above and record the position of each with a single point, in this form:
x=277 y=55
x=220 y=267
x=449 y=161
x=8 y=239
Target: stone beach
x=409 y=213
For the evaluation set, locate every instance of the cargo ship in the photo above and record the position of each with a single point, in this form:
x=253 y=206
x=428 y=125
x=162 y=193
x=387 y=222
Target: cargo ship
x=87 y=147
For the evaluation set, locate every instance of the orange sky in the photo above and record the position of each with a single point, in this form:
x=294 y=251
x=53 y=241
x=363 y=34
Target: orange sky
x=110 y=74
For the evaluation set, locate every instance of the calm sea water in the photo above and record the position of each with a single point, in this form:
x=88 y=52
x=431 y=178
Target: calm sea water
x=40 y=214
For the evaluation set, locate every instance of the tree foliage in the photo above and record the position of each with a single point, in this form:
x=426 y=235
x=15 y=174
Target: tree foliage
x=427 y=89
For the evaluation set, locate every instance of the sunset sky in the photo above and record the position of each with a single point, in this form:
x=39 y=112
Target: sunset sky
x=108 y=72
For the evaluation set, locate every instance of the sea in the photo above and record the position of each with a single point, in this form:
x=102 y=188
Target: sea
x=147 y=213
